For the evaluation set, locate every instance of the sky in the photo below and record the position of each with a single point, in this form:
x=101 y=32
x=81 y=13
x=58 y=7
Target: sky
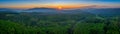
x=58 y=3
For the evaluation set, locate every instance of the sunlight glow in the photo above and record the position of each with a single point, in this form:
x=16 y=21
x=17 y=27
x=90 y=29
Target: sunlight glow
x=59 y=7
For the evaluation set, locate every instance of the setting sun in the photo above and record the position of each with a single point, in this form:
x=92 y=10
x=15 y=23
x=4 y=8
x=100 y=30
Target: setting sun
x=59 y=7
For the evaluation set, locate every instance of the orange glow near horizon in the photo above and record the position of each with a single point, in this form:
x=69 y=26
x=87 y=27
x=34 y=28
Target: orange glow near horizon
x=47 y=6
x=57 y=6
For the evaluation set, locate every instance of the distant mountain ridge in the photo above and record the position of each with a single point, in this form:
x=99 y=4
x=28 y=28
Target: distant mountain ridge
x=42 y=8
x=104 y=11
x=96 y=11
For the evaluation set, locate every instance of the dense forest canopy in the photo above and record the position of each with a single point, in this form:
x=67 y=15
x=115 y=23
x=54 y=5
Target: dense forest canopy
x=66 y=22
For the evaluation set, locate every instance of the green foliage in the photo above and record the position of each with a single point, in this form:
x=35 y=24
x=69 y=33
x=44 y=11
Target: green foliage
x=89 y=28
x=58 y=24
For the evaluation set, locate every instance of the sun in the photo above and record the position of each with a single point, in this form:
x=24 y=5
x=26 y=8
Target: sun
x=59 y=7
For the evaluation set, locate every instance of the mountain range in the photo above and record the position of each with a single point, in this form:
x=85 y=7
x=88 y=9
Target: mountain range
x=98 y=11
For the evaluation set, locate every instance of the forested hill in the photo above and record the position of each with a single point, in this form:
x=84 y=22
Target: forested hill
x=65 y=22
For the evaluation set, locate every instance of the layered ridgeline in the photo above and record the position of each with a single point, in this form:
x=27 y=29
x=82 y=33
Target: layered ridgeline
x=104 y=11
x=7 y=10
x=53 y=21
x=96 y=11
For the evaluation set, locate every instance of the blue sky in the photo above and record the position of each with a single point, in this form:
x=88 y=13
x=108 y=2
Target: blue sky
x=4 y=3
